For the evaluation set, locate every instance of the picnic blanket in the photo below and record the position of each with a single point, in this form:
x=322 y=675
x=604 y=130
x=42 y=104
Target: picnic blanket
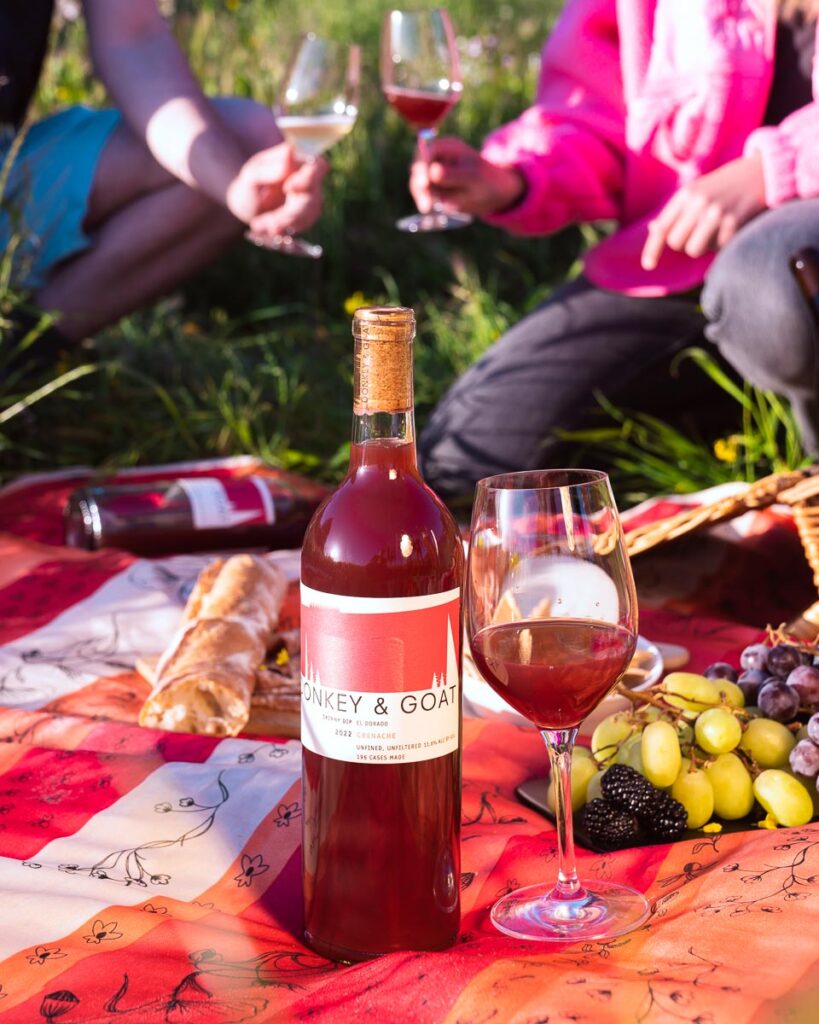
x=155 y=877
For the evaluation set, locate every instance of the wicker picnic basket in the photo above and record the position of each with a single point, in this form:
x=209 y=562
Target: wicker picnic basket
x=798 y=489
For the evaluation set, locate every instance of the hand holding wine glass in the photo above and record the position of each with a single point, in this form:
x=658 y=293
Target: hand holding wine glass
x=458 y=177
x=317 y=105
x=552 y=623
x=275 y=192
x=421 y=79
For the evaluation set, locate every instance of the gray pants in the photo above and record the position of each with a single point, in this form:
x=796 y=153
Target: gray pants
x=502 y=413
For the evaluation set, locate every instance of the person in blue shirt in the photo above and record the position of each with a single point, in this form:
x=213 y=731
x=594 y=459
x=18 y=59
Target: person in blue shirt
x=108 y=209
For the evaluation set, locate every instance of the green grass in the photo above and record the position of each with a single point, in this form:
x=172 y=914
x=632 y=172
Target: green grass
x=648 y=456
x=255 y=355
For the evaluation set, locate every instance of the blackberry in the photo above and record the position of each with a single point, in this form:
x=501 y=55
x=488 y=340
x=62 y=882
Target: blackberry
x=628 y=790
x=660 y=814
x=608 y=826
x=666 y=818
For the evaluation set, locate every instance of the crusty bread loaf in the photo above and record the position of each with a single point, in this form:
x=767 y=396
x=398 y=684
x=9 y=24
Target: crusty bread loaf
x=274 y=704
x=205 y=679
x=204 y=583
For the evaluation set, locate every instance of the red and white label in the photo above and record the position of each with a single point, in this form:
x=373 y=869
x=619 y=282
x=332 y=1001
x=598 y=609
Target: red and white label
x=380 y=677
x=219 y=504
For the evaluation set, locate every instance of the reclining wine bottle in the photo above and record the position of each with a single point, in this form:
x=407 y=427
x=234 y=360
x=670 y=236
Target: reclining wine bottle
x=381 y=575
x=804 y=266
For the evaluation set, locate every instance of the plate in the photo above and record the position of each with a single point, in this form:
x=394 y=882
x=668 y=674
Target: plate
x=533 y=794
x=481 y=701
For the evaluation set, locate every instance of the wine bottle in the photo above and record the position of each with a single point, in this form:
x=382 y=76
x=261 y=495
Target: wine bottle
x=198 y=513
x=381 y=574
x=804 y=266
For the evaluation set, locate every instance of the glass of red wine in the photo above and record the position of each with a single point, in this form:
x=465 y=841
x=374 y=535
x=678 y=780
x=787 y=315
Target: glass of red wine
x=421 y=79
x=552 y=622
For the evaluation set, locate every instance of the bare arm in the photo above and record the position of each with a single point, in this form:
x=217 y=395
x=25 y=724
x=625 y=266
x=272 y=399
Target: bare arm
x=148 y=78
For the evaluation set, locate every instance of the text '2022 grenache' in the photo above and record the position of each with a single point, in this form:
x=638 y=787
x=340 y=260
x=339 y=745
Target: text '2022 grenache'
x=381 y=574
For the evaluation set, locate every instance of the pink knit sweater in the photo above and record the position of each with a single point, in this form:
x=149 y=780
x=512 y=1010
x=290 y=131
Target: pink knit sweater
x=636 y=98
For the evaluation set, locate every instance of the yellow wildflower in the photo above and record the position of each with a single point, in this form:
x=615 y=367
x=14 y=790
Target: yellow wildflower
x=712 y=826
x=726 y=449
x=356 y=301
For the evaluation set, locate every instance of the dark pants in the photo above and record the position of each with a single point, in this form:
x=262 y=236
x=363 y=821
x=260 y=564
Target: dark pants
x=502 y=414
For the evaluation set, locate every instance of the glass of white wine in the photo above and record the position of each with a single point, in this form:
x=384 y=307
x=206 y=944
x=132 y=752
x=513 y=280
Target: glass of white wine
x=317 y=105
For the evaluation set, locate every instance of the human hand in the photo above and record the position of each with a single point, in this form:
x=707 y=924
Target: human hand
x=706 y=213
x=276 y=193
x=457 y=178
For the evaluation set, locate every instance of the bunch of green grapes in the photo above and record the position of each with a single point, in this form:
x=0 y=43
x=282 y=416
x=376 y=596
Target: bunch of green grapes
x=693 y=737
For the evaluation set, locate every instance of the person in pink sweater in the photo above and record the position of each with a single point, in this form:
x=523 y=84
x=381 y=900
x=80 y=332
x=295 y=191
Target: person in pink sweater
x=695 y=125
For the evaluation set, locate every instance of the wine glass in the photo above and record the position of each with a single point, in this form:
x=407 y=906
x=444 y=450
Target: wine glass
x=421 y=79
x=552 y=623
x=317 y=105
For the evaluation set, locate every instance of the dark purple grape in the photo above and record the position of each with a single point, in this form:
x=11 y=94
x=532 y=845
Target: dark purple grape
x=783 y=659
x=805 y=680
x=778 y=701
x=721 y=670
x=755 y=657
x=813 y=728
x=749 y=682
x=804 y=758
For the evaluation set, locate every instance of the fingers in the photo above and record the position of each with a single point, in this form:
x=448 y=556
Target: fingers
x=300 y=211
x=451 y=175
x=419 y=186
x=658 y=233
x=450 y=149
x=440 y=169
x=308 y=177
x=451 y=163
x=703 y=236
x=687 y=223
x=727 y=229
x=680 y=231
x=271 y=165
x=292 y=205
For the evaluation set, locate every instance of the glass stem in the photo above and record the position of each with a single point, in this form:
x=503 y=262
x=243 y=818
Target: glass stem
x=425 y=136
x=559 y=743
x=288 y=234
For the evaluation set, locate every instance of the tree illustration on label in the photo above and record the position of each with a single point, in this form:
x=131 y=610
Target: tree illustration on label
x=380 y=680
x=376 y=653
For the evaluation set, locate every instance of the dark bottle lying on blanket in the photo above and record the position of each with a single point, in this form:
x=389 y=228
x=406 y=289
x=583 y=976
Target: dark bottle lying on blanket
x=197 y=513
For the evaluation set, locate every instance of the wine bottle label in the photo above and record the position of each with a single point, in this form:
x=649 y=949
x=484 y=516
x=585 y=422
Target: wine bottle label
x=219 y=504
x=380 y=677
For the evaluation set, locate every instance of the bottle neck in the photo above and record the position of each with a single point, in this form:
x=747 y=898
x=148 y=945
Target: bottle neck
x=383 y=409
x=384 y=439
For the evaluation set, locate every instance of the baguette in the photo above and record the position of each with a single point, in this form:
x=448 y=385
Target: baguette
x=275 y=704
x=204 y=584
x=205 y=679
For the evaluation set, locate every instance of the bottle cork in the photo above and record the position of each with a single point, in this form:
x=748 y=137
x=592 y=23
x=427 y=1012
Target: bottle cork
x=383 y=359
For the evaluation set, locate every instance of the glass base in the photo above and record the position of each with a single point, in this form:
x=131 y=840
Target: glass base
x=600 y=912
x=288 y=245
x=435 y=220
